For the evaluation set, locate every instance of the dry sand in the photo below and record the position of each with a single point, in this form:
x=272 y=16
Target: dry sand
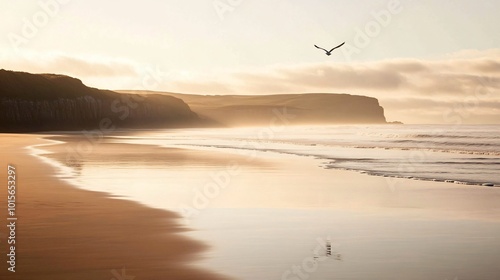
x=67 y=233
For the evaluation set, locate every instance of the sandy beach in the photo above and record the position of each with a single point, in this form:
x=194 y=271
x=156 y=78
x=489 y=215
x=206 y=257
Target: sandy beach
x=67 y=233
x=267 y=219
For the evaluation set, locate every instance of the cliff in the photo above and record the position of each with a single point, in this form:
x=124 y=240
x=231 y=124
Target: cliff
x=311 y=108
x=42 y=102
x=36 y=102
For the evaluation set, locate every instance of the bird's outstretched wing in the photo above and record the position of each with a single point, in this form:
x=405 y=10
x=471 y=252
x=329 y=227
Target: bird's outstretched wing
x=337 y=47
x=320 y=48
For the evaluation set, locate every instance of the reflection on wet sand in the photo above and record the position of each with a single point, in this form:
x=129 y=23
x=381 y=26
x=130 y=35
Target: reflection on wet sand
x=265 y=218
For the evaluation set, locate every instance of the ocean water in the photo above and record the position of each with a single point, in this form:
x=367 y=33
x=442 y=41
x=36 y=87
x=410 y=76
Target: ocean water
x=298 y=187
x=458 y=154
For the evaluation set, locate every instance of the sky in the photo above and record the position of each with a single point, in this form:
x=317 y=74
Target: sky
x=426 y=61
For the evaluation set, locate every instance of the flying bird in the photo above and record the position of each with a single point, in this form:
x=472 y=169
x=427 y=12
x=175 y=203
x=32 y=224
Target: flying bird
x=329 y=52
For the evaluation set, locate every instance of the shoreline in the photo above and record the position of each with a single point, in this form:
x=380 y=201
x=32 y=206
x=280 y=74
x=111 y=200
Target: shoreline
x=340 y=203
x=399 y=190
x=68 y=233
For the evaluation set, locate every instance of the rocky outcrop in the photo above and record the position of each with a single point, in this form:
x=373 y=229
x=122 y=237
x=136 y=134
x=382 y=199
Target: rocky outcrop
x=30 y=102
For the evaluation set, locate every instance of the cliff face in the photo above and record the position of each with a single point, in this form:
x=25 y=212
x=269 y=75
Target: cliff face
x=31 y=102
x=311 y=108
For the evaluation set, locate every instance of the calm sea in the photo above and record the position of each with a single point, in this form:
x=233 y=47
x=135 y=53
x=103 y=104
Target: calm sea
x=458 y=154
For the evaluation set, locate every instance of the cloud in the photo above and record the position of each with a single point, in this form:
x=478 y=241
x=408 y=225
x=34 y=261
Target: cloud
x=78 y=66
x=344 y=77
x=411 y=90
x=451 y=77
x=489 y=66
x=87 y=68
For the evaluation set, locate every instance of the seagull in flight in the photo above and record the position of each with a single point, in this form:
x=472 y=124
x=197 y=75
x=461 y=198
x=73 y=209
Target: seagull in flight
x=329 y=52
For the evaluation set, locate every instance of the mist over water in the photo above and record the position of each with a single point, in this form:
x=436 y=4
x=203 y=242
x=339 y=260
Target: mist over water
x=465 y=154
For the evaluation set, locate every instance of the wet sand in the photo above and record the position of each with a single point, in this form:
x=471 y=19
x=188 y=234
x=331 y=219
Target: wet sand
x=68 y=233
x=268 y=217
x=384 y=227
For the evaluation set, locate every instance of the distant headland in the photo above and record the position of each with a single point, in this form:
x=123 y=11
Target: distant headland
x=48 y=102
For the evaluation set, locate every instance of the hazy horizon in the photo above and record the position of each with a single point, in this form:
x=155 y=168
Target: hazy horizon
x=426 y=62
